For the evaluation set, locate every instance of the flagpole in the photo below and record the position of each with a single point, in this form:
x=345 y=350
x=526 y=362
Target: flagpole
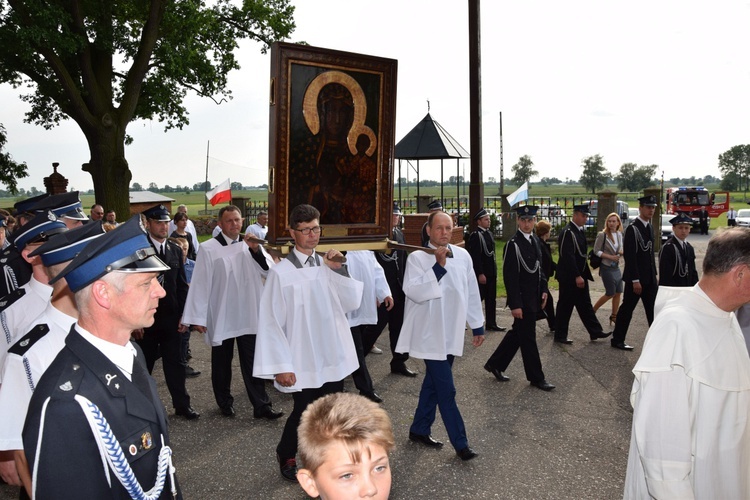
x=205 y=184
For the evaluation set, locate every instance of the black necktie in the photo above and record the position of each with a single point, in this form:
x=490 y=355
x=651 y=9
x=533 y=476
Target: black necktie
x=161 y=251
x=140 y=378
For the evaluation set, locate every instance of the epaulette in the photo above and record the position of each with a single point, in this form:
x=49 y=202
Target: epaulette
x=69 y=381
x=11 y=298
x=24 y=343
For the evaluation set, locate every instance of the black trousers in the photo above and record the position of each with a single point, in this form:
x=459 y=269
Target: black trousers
x=394 y=319
x=221 y=372
x=549 y=311
x=287 y=447
x=488 y=292
x=361 y=376
x=629 y=301
x=163 y=340
x=522 y=335
x=579 y=298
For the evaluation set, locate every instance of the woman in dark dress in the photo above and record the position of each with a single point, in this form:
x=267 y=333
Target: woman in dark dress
x=180 y=220
x=548 y=266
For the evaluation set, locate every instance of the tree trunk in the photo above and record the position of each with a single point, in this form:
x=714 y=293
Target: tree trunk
x=109 y=170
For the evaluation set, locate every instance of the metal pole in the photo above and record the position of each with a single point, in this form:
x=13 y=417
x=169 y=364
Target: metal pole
x=476 y=189
x=205 y=185
x=502 y=180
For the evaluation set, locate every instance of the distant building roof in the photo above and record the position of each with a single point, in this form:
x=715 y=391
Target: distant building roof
x=429 y=141
x=147 y=197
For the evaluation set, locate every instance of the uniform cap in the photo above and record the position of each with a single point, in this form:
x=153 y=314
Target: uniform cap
x=582 y=208
x=435 y=205
x=396 y=208
x=681 y=219
x=158 y=212
x=39 y=228
x=66 y=205
x=647 y=201
x=481 y=214
x=123 y=249
x=65 y=246
x=526 y=211
x=24 y=206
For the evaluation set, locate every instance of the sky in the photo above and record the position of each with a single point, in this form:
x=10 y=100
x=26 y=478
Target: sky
x=665 y=82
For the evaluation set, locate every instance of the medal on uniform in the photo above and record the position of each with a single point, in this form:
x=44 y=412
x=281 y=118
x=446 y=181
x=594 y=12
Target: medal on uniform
x=147 y=441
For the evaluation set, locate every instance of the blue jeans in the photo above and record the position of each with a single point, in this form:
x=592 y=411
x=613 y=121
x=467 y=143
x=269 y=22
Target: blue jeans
x=438 y=391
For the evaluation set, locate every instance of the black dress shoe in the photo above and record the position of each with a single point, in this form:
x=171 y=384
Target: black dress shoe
x=426 y=440
x=600 y=335
x=563 y=341
x=288 y=468
x=227 y=411
x=188 y=412
x=268 y=413
x=403 y=370
x=495 y=328
x=372 y=396
x=543 y=385
x=622 y=346
x=497 y=373
x=466 y=454
x=191 y=372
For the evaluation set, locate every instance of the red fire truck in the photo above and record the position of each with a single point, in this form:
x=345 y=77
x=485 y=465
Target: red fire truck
x=690 y=200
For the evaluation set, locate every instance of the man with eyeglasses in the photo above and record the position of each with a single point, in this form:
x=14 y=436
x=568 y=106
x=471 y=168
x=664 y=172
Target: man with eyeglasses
x=225 y=310
x=304 y=341
x=97 y=213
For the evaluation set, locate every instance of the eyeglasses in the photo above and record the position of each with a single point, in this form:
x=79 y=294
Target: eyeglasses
x=306 y=231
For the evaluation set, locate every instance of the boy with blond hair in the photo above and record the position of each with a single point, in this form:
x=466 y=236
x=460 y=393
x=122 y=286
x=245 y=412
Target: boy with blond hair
x=344 y=442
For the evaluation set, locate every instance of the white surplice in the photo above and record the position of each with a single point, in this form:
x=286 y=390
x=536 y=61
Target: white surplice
x=303 y=327
x=22 y=372
x=17 y=318
x=364 y=267
x=437 y=312
x=225 y=291
x=691 y=403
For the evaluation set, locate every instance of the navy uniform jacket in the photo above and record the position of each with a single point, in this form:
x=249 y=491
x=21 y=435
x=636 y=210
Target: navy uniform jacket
x=70 y=465
x=573 y=251
x=175 y=285
x=640 y=263
x=524 y=289
x=483 y=263
x=677 y=264
x=15 y=272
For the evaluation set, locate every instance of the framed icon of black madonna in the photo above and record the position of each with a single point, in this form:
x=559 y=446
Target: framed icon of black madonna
x=332 y=130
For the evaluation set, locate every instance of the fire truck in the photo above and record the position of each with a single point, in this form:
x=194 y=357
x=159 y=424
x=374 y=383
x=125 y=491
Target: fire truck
x=690 y=200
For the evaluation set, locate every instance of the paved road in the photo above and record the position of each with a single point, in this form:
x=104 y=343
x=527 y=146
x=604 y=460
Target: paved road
x=568 y=443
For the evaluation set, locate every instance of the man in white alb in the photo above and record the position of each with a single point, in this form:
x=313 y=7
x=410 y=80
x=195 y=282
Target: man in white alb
x=691 y=395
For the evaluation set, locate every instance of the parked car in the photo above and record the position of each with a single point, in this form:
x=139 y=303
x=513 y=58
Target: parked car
x=743 y=217
x=666 y=227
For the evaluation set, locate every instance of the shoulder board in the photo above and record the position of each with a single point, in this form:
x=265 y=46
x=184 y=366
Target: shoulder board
x=11 y=298
x=24 y=343
x=68 y=381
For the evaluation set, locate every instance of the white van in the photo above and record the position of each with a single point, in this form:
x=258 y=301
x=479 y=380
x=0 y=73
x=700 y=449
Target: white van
x=621 y=208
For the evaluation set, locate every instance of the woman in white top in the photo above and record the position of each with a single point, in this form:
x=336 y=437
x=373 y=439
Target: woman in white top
x=608 y=246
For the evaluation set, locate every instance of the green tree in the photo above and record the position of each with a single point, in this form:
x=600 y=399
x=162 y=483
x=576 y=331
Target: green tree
x=594 y=175
x=634 y=178
x=106 y=63
x=10 y=171
x=235 y=186
x=523 y=171
x=735 y=162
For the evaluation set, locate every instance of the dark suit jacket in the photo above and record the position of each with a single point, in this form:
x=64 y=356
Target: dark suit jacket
x=674 y=261
x=483 y=263
x=69 y=461
x=394 y=265
x=640 y=263
x=524 y=289
x=573 y=251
